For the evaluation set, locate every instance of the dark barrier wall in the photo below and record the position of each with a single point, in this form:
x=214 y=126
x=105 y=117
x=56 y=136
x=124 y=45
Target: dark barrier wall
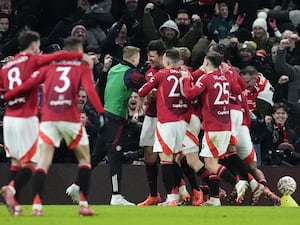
x=134 y=186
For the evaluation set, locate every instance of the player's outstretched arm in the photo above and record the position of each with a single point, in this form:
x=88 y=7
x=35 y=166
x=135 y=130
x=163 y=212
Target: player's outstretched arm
x=57 y=56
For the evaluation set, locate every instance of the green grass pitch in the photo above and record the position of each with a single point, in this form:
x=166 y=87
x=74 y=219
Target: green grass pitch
x=159 y=215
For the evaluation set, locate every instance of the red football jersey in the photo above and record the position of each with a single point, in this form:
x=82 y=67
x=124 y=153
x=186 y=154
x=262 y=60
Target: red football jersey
x=260 y=85
x=238 y=99
x=214 y=89
x=62 y=81
x=18 y=70
x=150 y=109
x=171 y=104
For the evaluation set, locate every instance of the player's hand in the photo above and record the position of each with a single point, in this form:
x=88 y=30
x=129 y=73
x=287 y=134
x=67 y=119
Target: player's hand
x=89 y=59
x=148 y=8
x=101 y=120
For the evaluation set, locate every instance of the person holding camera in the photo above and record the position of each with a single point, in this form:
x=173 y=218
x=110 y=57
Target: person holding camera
x=279 y=140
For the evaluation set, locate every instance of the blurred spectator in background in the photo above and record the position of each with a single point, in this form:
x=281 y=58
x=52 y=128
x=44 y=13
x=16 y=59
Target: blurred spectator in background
x=97 y=19
x=132 y=151
x=115 y=41
x=278 y=143
x=220 y=25
x=91 y=129
x=260 y=33
x=289 y=74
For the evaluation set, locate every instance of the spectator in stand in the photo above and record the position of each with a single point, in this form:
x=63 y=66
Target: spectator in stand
x=244 y=55
x=154 y=16
x=134 y=24
x=132 y=151
x=100 y=69
x=290 y=75
x=293 y=50
x=220 y=25
x=260 y=33
x=278 y=135
x=97 y=19
x=170 y=34
x=248 y=10
x=90 y=128
x=116 y=40
x=7 y=30
x=184 y=21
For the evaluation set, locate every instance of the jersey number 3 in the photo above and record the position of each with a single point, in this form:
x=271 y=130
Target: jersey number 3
x=63 y=77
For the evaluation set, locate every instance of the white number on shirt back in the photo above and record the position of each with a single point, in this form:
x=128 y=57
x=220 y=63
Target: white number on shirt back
x=222 y=90
x=177 y=82
x=14 y=77
x=64 y=77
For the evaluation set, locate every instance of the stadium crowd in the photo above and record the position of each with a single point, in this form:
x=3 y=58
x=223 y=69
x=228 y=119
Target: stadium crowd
x=134 y=45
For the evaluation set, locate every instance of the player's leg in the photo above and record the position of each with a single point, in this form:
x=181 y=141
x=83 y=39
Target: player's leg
x=198 y=167
x=150 y=158
x=180 y=187
x=97 y=156
x=50 y=138
x=39 y=177
x=259 y=175
x=82 y=153
x=151 y=166
x=23 y=153
x=246 y=152
x=215 y=144
x=168 y=140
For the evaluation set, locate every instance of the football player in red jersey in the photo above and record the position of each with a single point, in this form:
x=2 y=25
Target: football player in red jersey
x=21 y=113
x=214 y=89
x=171 y=112
x=60 y=119
x=155 y=52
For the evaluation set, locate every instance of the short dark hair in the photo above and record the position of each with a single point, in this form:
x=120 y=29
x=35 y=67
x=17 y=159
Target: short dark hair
x=4 y=15
x=93 y=48
x=251 y=70
x=280 y=105
x=157 y=45
x=173 y=55
x=183 y=11
x=71 y=43
x=25 y=39
x=215 y=58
